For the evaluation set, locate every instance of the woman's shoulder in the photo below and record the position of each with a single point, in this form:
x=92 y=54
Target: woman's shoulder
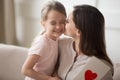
x=65 y=39
x=109 y=74
x=107 y=63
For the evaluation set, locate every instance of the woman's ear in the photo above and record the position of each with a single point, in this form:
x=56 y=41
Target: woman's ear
x=78 y=33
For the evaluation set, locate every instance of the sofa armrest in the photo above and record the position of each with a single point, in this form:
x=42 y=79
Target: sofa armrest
x=11 y=61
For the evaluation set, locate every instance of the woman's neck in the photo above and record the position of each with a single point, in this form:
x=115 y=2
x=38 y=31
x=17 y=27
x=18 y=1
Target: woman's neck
x=76 y=46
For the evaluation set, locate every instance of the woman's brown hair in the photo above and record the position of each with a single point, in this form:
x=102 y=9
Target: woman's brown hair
x=90 y=22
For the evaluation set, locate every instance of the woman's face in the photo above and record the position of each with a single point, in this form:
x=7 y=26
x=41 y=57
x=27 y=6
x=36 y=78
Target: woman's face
x=70 y=29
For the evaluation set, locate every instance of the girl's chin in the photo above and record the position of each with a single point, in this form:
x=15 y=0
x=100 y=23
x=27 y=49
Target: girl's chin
x=58 y=34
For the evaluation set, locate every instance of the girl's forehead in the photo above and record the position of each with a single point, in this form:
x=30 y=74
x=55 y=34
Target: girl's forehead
x=52 y=12
x=55 y=15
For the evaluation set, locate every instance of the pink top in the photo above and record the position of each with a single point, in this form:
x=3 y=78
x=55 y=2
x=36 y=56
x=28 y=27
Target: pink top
x=47 y=49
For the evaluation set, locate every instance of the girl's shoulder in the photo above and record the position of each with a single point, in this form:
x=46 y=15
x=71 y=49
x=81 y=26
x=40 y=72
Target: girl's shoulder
x=40 y=40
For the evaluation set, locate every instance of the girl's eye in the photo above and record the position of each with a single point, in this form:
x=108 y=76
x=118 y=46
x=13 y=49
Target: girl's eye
x=62 y=22
x=53 y=23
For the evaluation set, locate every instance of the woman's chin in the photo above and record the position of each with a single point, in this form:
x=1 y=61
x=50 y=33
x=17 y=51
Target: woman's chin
x=65 y=34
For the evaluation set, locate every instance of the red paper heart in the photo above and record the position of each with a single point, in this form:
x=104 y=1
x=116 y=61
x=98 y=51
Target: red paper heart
x=89 y=75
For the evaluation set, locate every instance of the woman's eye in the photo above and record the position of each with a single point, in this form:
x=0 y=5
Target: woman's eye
x=67 y=21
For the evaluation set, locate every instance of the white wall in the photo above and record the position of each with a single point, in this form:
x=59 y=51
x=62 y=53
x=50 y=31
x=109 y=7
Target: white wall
x=28 y=17
x=111 y=11
x=70 y=3
x=27 y=20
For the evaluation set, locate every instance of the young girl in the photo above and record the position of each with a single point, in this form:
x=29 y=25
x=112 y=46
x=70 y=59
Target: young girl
x=42 y=55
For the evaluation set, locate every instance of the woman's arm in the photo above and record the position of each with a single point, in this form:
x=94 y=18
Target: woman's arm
x=108 y=76
x=55 y=73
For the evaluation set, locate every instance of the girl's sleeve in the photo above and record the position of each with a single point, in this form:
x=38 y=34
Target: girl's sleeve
x=38 y=47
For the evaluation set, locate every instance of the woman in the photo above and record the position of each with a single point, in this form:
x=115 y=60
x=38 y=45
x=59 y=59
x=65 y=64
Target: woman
x=85 y=26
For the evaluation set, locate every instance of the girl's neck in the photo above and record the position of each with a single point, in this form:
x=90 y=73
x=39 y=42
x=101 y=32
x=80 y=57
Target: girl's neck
x=47 y=35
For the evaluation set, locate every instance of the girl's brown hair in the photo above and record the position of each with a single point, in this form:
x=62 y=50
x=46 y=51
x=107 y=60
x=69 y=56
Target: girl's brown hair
x=52 y=5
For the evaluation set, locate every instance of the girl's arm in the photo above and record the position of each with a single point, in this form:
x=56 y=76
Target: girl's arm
x=27 y=69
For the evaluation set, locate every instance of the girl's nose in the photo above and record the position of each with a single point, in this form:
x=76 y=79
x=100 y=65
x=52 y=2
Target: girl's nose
x=58 y=26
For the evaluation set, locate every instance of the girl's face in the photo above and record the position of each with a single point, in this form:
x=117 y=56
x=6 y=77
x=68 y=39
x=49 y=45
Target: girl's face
x=54 y=24
x=70 y=28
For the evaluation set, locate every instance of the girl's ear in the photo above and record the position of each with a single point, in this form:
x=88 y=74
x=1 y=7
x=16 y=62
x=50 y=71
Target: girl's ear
x=42 y=23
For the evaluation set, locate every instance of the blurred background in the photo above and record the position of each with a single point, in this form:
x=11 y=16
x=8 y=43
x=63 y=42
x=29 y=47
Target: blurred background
x=20 y=21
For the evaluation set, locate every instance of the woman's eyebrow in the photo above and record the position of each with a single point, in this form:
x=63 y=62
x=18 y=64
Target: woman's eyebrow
x=66 y=20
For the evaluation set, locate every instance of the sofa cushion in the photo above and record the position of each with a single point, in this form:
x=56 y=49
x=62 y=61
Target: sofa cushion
x=11 y=61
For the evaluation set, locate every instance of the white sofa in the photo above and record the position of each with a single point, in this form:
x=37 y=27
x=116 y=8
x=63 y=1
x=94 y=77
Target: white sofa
x=11 y=61
x=13 y=57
